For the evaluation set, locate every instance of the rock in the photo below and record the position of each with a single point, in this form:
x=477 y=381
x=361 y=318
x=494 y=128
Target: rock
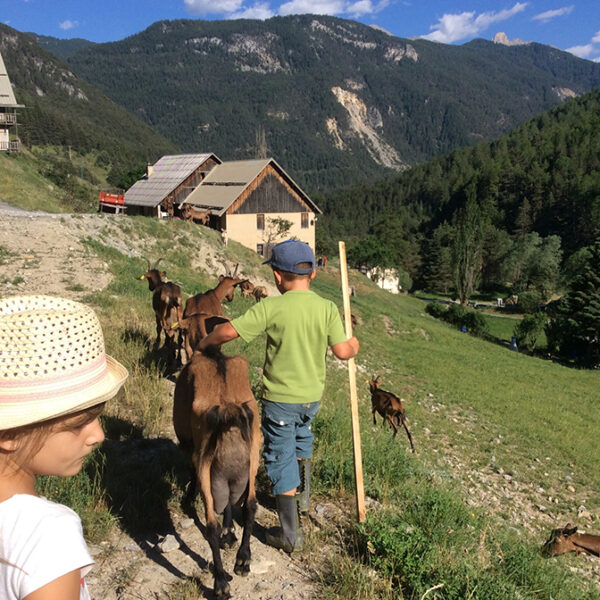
x=167 y=544
x=570 y=488
x=186 y=523
x=95 y=551
x=261 y=567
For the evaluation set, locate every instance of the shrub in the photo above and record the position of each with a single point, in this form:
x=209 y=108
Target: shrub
x=529 y=301
x=529 y=330
x=475 y=323
x=435 y=309
x=455 y=314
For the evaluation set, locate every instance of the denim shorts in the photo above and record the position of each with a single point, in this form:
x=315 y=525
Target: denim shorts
x=287 y=437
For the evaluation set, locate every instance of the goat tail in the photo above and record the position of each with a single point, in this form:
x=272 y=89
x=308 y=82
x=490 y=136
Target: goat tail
x=223 y=417
x=215 y=354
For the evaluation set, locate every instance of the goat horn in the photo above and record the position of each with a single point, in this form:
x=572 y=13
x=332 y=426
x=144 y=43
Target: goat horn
x=156 y=263
x=236 y=270
x=227 y=270
x=148 y=261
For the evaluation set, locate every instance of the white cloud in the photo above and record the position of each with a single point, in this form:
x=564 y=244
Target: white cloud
x=552 y=14
x=365 y=7
x=204 y=7
x=66 y=25
x=261 y=10
x=454 y=27
x=596 y=38
x=582 y=51
x=315 y=7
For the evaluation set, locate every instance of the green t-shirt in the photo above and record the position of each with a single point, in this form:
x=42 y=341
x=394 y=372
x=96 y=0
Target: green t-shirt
x=299 y=327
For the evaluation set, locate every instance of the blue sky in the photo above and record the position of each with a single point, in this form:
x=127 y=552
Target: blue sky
x=573 y=25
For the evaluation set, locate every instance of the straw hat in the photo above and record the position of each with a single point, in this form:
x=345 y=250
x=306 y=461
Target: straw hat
x=52 y=360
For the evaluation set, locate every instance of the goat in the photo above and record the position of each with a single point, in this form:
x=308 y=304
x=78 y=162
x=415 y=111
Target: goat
x=166 y=302
x=216 y=420
x=567 y=539
x=390 y=407
x=259 y=292
x=209 y=302
x=189 y=213
x=247 y=288
x=196 y=328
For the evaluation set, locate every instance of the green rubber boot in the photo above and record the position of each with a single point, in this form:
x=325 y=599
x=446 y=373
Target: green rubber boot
x=303 y=492
x=288 y=537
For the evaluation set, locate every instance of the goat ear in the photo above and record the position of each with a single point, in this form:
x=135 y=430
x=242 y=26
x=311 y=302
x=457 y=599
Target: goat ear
x=221 y=277
x=568 y=530
x=162 y=273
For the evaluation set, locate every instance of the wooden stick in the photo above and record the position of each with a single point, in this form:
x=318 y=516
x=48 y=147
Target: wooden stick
x=358 y=471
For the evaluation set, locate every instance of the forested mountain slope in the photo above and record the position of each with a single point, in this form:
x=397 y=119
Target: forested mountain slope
x=543 y=177
x=63 y=110
x=338 y=101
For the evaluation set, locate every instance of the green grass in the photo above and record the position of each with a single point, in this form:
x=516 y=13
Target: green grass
x=489 y=409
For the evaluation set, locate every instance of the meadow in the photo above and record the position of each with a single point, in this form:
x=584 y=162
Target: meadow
x=507 y=444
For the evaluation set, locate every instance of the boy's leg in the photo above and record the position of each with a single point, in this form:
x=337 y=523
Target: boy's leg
x=304 y=443
x=279 y=431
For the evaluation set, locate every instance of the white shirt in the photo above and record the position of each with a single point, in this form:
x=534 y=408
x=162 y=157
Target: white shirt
x=41 y=541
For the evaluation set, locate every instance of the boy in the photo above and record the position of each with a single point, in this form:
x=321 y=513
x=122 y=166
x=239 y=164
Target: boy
x=299 y=325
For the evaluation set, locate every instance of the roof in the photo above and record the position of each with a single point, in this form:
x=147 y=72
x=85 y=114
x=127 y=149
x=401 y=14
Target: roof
x=169 y=172
x=227 y=181
x=7 y=96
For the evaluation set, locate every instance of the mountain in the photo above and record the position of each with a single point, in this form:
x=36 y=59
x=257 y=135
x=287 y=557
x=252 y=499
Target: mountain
x=64 y=110
x=338 y=101
x=61 y=48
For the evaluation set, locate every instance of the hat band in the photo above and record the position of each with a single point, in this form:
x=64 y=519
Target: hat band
x=62 y=385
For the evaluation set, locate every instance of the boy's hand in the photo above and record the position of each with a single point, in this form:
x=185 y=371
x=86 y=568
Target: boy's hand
x=347 y=349
x=222 y=333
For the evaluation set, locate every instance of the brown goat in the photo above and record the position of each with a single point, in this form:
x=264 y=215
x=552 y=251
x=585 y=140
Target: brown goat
x=389 y=406
x=190 y=213
x=567 y=539
x=259 y=292
x=196 y=328
x=209 y=302
x=247 y=288
x=216 y=421
x=166 y=302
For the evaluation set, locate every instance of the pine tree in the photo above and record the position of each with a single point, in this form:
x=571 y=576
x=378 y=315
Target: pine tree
x=574 y=329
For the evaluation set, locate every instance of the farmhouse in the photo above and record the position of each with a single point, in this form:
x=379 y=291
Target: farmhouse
x=9 y=141
x=167 y=184
x=249 y=199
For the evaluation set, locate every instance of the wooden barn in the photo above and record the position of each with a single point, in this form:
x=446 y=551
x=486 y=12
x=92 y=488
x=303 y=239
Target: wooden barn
x=247 y=198
x=168 y=183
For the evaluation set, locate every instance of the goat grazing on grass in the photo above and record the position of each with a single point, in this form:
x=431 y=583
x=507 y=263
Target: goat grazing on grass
x=196 y=328
x=257 y=291
x=389 y=406
x=247 y=288
x=210 y=302
x=217 y=424
x=166 y=302
x=566 y=539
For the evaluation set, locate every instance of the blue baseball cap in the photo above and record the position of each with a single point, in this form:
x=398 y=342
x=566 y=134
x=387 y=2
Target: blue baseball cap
x=286 y=255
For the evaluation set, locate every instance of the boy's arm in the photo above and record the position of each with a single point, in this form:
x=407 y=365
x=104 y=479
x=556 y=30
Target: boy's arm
x=225 y=332
x=347 y=349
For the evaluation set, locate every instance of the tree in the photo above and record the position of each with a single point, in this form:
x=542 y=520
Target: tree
x=529 y=329
x=468 y=246
x=369 y=253
x=574 y=328
x=276 y=228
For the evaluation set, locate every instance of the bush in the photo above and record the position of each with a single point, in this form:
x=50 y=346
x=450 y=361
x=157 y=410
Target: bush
x=529 y=330
x=435 y=309
x=455 y=315
x=475 y=324
x=529 y=301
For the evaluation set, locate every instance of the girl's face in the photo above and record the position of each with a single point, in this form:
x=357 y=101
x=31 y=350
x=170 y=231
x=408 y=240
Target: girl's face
x=63 y=451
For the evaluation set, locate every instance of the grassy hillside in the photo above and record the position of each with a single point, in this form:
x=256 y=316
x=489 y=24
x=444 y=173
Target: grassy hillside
x=507 y=445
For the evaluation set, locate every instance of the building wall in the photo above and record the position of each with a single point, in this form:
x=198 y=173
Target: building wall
x=243 y=228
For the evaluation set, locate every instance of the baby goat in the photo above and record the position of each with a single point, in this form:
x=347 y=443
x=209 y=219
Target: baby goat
x=389 y=406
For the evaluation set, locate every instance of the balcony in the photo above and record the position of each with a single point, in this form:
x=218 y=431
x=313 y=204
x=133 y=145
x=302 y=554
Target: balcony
x=9 y=146
x=8 y=118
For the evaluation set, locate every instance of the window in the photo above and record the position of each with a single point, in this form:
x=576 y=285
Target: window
x=260 y=221
x=260 y=248
x=304 y=220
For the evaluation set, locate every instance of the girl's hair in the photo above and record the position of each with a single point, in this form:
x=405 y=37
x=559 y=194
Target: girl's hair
x=30 y=438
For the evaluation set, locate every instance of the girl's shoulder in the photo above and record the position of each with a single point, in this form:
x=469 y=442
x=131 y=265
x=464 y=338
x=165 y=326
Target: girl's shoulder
x=34 y=509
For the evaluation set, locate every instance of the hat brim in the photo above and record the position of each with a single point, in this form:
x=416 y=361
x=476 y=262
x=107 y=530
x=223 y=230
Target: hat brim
x=17 y=414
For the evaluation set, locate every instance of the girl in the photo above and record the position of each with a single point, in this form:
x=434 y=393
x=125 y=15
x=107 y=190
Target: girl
x=54 y=380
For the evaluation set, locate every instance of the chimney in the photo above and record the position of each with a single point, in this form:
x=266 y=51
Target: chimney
x=149 y=170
